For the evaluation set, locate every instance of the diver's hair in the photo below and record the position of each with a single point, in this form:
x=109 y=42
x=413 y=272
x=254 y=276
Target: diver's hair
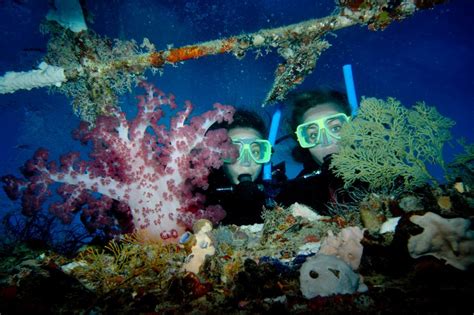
x=301 y=103
x=244 y=119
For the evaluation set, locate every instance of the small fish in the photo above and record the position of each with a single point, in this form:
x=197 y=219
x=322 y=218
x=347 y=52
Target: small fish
x=23 y=146
x=34 y=49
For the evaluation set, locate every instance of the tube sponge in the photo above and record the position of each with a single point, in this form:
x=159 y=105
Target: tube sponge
x=45 y=75
x=68 y=13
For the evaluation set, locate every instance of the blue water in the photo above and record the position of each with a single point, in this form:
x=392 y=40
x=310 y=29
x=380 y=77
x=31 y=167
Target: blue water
x=428 y=57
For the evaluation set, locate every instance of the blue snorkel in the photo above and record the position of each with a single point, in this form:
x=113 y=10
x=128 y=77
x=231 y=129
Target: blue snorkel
x=350 y=88
x=352 y=97
x=267 y=168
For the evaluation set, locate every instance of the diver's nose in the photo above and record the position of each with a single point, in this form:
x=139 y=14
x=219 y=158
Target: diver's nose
x=324 y=138
x=245 y=161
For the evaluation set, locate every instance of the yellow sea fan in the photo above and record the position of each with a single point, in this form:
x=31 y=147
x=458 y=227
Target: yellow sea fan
x=388 y=143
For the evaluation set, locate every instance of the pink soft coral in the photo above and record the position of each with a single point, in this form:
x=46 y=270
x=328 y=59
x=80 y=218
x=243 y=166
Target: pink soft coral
x=152 y=174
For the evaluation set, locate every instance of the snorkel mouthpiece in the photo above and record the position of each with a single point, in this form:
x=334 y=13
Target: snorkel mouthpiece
x=244 y=178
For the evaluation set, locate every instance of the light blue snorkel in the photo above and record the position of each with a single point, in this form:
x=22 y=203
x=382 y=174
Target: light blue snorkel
x=350 y=88
x=267 y=168
x=352 y=97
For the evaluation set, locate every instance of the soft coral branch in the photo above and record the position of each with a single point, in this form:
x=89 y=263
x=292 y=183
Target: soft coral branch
x=154 y=175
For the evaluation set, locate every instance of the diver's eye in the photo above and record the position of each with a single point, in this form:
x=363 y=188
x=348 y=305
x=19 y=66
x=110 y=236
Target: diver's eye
x=312 y=132
x=335 y=125
x=312 y=128
x=255 y=149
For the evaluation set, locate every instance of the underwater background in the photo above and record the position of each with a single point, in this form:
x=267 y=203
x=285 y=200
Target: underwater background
x=425 y=57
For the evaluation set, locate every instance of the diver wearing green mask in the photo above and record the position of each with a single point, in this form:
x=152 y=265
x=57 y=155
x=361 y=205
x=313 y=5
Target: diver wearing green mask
x=237 y=186
x=317 y=119
x=253 y=153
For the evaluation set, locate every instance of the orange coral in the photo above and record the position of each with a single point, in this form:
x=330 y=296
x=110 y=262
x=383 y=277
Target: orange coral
x=185 y=53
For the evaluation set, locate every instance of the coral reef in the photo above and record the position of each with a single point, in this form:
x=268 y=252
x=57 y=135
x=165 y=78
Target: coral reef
x=152 y=175
x=280 y=266
x=462 y=167
x=388 y=145
x=93 y=94
x=127 y=263
x=42 y=230
x=202 y=247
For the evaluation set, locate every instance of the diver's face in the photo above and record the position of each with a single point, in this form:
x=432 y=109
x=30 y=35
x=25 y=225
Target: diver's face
x=327 y=146
x=245 y=165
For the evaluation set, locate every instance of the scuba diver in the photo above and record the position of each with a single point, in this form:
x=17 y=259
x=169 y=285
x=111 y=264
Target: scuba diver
x=317 y=118
x=238 y=186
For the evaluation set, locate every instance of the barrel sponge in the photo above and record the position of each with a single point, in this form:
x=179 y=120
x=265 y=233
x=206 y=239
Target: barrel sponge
x=325 y=275
x=449 y=239
x=345 y=245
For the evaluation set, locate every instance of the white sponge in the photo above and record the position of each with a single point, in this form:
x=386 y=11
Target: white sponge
x=46 y=75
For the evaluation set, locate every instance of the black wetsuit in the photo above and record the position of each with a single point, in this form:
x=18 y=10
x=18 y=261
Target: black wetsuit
x=315 y=186
x=243 y=203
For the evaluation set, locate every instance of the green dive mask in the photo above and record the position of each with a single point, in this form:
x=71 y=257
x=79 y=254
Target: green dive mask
x=310 y=133
x=258 y=150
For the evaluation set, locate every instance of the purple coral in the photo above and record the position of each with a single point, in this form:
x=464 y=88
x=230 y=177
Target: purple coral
x=151 y=174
